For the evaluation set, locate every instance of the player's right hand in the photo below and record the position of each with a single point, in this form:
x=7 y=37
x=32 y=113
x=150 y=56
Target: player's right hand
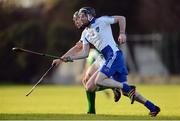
x=122 y=38
x=56 y=62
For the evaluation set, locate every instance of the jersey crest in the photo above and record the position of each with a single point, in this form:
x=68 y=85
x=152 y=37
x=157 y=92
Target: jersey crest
x=97 y=29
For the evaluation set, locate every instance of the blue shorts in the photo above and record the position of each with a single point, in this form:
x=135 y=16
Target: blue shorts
x=115 y=67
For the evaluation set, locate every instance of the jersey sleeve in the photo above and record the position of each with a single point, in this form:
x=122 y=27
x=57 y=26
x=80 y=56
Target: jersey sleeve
x=83 y=38
x=108 y=19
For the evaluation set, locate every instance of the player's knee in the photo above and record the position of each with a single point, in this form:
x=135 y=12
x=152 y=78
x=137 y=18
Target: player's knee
x=89 y=87
x=88 y=75
x=85 y=79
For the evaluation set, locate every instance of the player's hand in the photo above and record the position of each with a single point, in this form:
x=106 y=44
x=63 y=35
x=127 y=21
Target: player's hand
x=56 y=62
x=66 y=59
x=122 y=38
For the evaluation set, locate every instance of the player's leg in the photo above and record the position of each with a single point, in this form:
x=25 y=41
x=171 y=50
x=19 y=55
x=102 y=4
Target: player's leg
x=91 y=70
x=111 y=67
x=91 y=102
x=102 y=80
x=154 y=110
x=99 y=63
x=91 y=95
x=92 y=86
x=122 y=77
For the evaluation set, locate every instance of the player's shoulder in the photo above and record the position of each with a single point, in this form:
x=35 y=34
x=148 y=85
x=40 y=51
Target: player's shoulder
x=102 y=18
x=84 y=34
x=84 y=31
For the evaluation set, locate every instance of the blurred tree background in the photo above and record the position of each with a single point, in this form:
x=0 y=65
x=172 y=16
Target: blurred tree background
x=46 y=26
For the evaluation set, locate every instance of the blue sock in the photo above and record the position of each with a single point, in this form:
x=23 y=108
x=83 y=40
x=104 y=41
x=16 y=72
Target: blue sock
x=149 y=105
x=126 y=88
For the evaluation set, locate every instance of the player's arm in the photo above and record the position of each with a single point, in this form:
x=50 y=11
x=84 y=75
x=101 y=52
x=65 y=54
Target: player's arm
x=74 y=50
x=83 y=53
x=71 y=52
x=121 y=20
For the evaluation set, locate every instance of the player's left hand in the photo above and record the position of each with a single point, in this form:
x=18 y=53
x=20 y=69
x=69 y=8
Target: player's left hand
x=122 y=38
x=56 y=62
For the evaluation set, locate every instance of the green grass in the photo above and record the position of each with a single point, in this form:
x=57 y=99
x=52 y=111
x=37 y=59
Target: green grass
x=69 y=102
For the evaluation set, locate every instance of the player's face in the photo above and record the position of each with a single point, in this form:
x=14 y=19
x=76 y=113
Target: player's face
x=83 y=19
x=77 y=22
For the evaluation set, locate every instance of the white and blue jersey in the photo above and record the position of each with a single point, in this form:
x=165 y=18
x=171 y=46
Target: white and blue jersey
x=100 y=35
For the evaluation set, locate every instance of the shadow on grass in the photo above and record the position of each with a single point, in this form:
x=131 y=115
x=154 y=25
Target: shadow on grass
x=82 y=117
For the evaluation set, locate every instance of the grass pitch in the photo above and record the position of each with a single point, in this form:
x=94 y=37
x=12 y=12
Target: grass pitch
x=69 y=102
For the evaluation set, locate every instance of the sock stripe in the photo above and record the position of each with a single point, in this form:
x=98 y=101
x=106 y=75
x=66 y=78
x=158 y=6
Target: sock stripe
x=131 y=93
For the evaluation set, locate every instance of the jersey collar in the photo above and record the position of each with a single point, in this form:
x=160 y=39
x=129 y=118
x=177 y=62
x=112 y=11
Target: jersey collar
x=92 y=21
